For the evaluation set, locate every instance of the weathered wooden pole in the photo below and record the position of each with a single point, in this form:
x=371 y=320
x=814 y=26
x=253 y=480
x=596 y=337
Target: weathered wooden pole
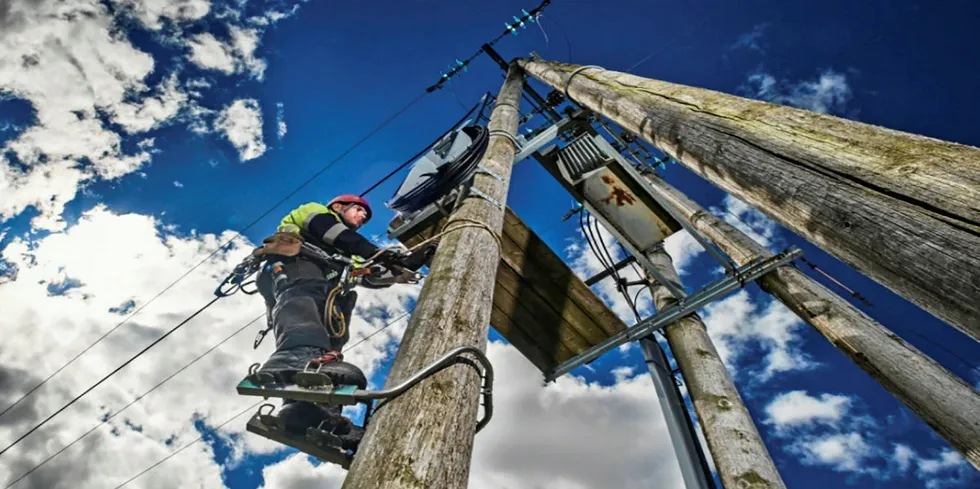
x=903 y=209
x=939 y=398
x=424 y=438
x=736 y=447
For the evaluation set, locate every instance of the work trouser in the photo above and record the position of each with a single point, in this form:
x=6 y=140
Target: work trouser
x=295 y=303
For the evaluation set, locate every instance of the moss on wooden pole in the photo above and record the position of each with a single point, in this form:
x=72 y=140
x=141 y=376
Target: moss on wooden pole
x=900 y=208
x=939 y=398
x=740 y=455
x=424 y=438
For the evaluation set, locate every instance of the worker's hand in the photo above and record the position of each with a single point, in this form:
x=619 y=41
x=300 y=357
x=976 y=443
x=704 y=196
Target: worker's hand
x=419 y=258
x=389 y=257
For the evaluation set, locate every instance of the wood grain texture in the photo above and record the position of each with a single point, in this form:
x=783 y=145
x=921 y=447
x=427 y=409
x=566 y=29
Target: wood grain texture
x=424 y=438
x=551 y=314
x=740 y=455
x=903 y=209
x=940 y=399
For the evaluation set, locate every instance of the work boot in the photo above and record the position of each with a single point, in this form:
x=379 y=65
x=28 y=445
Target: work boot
x=352 y=439
x=298 y=416
x=284 y=364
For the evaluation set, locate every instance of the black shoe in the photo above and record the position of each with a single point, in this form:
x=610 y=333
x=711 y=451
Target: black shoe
x=299 y=416
x=352 y=440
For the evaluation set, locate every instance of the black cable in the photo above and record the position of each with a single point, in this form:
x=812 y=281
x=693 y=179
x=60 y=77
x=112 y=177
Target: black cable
x=189 y=444
x=423 y=151
x=164 y=381
x=151 y=345
x=447 y=176
x=237 y=235
x=216 y=428
x=134 y=401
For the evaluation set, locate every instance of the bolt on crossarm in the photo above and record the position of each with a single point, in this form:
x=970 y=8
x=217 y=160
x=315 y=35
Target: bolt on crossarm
x=898 y=207
x=424 y=438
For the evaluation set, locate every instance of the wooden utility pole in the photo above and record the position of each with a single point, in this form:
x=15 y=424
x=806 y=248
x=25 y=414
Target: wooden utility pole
x=939 y=398
x=423 y=439
x=903 y=209
x=740 y=455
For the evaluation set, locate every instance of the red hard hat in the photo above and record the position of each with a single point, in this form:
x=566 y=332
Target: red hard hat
x=352 y=199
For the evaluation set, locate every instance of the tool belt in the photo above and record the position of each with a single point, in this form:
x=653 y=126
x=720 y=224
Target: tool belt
x=285 y=244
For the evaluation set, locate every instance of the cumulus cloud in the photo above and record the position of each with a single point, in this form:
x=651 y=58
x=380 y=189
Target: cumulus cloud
x=756 y=225
x=241 y=123
x=796 y=408
x=84 y=67
x=835 y=431
x=154 y=13
x=739 y=326
x=74 y=286
x=828 y=94
x=235 y=55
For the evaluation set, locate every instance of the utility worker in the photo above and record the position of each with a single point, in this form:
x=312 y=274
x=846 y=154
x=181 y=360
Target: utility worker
x=296 y=290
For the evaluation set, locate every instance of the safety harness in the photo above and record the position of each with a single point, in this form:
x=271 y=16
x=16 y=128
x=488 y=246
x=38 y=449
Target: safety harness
x=352 y=273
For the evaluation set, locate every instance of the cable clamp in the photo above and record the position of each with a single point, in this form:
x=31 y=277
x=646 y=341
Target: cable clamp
x=498 y=132
x=577 y=71
x=475 y=192
x=483 y=169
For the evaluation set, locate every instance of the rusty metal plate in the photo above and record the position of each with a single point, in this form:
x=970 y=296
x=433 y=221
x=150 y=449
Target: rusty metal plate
x=619 y=204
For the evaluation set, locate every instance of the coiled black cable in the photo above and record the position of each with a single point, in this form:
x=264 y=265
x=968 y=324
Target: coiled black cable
x=447 y=176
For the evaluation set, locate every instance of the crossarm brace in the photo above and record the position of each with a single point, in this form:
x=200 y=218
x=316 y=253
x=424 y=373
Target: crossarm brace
x=687 y=305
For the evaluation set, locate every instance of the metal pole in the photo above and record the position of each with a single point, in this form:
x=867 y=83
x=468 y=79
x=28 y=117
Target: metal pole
x=690 y=456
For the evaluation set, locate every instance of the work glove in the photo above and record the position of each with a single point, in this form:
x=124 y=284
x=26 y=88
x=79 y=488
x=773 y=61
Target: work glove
x=390 y=257
x=420 y=257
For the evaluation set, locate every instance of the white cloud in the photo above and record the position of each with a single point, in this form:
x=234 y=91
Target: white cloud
x=845 y=452
x=209 y=53
x=751 y=40
x=235 y=56
x=152 y=13
x=750 y=221
x=241 y=123
x=736 y=324
x=280 y=120
x=796 y=408
x=83 y=66
x=829 y=93
x=590 y=435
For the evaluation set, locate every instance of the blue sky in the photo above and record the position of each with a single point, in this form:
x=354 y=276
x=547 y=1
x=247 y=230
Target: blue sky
x=190 y=123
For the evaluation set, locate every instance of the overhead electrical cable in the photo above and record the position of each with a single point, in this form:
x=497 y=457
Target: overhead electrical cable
x=134 y=401
x=229 y=420
x=110 y=374
x=171 y=376
x=225 y=244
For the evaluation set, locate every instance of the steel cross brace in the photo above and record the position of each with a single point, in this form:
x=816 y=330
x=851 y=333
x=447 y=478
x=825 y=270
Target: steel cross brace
x=746 y=273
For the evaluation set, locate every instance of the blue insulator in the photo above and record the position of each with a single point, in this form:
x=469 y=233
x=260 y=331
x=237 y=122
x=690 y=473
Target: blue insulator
x=511 y=29
x=519 y=22
x=527 y=15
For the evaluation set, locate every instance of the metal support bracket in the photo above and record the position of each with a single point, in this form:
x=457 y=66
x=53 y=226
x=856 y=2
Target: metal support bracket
x=687 y=305
x=475 y=192
x=483 y=169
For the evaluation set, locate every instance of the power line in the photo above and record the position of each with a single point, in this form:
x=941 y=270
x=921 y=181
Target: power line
x=134 y=401
x=171 y=376
x=151 y=345
x=229 y=420
x=237 y=235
